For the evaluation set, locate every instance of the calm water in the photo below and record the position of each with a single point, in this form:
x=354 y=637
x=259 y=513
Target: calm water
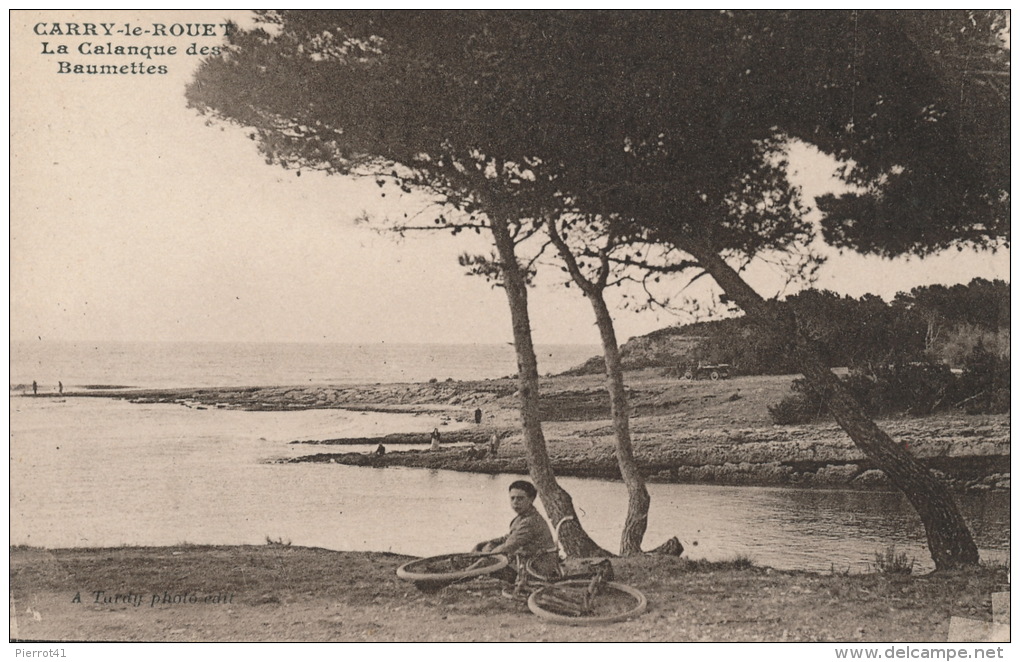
x=100 y=472
x=187 y=364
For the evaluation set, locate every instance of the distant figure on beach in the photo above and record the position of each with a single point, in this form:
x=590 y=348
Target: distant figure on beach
x=478 y=416
x=435 y=439
x=35 y=388
x=60 y=387
x=494 y=444
x=380 y=450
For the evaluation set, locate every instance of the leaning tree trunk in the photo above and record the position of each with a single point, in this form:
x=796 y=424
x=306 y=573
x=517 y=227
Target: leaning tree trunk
x=949 y=540
x=558 y=504
x=637 y=504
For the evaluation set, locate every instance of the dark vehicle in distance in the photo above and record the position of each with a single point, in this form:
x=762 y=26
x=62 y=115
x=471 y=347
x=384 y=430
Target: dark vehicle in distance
x=702 y=371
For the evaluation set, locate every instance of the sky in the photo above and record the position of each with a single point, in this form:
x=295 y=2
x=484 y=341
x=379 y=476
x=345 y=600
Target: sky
x=131 y=219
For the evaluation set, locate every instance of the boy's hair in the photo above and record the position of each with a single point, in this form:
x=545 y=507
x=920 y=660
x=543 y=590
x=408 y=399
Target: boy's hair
x=526 y=486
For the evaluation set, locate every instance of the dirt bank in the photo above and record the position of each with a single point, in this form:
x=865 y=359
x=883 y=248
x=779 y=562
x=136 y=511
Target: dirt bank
x=278 y=593
x=698 y=431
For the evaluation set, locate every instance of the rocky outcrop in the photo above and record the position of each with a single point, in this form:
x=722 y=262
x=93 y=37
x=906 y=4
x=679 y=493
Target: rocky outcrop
x=742 y=465
x=968 y=453
x=474 y=435
x=658 y=350
x=408 y=398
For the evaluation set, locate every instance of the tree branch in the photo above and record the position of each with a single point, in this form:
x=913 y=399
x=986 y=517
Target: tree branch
x=568 y=258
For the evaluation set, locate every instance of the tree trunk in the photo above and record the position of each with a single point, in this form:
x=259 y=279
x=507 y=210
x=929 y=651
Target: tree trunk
x=949 y=540
x=637 y=504
x=558 y=505
x=638 y=500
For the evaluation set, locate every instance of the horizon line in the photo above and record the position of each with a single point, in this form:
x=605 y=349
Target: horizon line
x=283 y=342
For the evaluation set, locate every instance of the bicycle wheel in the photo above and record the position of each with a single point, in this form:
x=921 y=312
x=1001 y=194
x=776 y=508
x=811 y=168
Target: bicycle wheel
x=562 y=603
x=451 y=567
x=545 y=575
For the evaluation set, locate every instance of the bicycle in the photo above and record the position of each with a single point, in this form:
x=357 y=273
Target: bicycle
x=565 y=599
x=435 y=572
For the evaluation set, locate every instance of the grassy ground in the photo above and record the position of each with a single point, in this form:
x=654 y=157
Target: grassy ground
x=279 y=593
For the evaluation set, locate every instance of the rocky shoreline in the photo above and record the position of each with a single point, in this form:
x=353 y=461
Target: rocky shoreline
x=962 y=473
x=683 y=432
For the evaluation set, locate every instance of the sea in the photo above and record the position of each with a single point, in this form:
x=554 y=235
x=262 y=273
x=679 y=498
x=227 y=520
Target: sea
x=81 y=365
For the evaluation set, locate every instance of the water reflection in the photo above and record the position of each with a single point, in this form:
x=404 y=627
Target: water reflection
x=788 y=528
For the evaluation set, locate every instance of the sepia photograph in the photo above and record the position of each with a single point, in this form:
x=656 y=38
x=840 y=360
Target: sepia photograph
x=491 y=326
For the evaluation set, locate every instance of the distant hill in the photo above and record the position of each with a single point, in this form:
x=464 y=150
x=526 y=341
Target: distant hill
x=672 y=347
x=662 y=348
x=931 y=323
